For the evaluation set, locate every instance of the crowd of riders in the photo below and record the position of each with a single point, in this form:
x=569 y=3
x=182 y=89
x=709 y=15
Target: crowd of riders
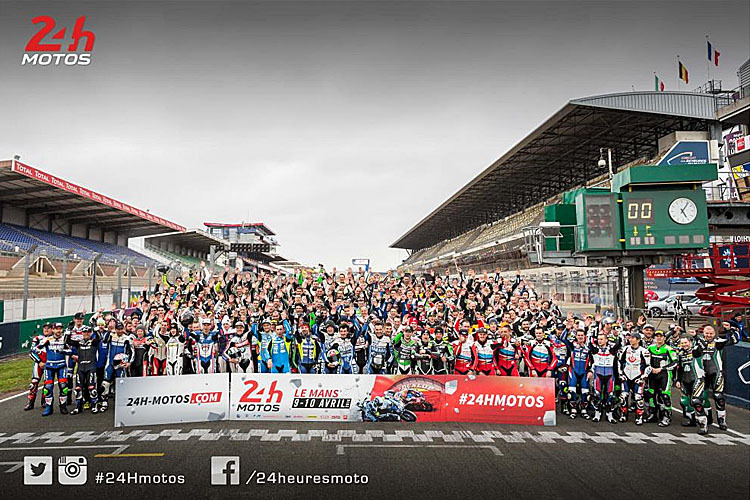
x=330 y=322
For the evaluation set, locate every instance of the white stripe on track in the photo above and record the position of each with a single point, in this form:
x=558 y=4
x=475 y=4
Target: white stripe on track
x=14 y=396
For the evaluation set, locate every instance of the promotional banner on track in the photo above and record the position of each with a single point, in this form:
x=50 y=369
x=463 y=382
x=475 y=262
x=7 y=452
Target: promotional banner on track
x=424 y=398
x=163 y=400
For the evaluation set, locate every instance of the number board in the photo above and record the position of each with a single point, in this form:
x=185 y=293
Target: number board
x=664 y=219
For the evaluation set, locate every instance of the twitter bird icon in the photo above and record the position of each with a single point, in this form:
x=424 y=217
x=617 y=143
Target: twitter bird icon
x=37 y=470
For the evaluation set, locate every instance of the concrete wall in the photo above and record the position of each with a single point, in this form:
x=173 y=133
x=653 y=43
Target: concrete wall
x=13 y=215
x=79 y=230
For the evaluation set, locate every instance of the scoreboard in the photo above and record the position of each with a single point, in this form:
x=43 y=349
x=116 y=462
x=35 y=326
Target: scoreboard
x=648 y=208
x=664 y=219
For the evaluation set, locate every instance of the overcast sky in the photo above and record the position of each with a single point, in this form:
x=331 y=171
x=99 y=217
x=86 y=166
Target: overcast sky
x=339 y=125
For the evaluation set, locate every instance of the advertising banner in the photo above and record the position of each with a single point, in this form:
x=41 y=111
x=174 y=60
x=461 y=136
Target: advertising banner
x=162 y=400
x=52 y=180
x=687 y=153
x=424 y=398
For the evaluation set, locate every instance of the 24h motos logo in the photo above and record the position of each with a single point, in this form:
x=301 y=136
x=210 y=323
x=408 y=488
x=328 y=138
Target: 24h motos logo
x=39 y=53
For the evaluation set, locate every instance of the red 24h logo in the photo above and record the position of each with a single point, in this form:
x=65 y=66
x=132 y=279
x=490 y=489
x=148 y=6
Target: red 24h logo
x=41 y=52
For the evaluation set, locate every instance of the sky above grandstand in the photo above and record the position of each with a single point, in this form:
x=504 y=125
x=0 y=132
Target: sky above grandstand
x=339 y=125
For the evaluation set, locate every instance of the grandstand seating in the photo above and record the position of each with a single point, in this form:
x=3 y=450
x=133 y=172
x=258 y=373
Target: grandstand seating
x=56 y=245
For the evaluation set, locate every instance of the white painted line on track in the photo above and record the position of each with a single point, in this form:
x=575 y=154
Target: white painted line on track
x=13 y=396
x=340 y=447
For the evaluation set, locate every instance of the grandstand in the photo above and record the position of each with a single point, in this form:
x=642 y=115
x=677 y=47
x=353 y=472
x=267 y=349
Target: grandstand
x=52 y=226
x=481 y=225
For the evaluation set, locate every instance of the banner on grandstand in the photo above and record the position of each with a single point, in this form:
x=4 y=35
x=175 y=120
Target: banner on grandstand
x=432 y=398
x=163 y=400
x=35 y=173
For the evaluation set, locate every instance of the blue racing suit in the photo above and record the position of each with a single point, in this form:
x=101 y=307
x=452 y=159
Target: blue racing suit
x=56 y=366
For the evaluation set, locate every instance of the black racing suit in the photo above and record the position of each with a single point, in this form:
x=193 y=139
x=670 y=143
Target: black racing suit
x=85 y=379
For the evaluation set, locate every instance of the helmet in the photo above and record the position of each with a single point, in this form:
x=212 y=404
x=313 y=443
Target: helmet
x=186 y=318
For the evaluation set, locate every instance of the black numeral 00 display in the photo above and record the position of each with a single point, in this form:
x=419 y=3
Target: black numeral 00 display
x=640 y=211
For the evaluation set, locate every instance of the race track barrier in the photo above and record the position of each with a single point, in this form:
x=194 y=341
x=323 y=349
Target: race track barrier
x=294 y=397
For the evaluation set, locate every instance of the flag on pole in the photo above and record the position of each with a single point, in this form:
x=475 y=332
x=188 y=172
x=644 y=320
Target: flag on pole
x=713 y=54
x=658 y=84
x=683 y=72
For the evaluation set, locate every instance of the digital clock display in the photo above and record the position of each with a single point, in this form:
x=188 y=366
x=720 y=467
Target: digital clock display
x=640 y=210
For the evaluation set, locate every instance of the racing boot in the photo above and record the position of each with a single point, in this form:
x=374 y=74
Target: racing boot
x=78 y=408
x=564 y=408
x=666 y=419
x=688 y=419
x=94 y=408
x=63 y=409
x=597 y=416
x=624 y=414
x=639 y=419
x=651 y=415
x=722 y=418
x=103 y=407
x=32 y=397
x=47 y=410
x=710 y=416
x=611 y=418
x=703 y=424
x=573 y=411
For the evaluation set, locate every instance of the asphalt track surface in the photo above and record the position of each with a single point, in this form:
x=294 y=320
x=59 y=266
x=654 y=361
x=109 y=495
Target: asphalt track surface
x=575 y=459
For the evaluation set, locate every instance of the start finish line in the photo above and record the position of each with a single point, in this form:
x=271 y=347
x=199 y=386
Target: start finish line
x=294 y=397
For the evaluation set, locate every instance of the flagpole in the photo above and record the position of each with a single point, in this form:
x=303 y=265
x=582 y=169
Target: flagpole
x=708 y=62
x=677 y=82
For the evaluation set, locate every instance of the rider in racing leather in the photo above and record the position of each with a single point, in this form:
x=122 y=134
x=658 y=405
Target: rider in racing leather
x=539 y=355
x=714 y=369
x=635 y=367
x=39 y=358
x=602 y=356
x=57 y=351
x=205 y=347
x=463 y=352
x=482 y=362
x=380 y=354
x=120 y=357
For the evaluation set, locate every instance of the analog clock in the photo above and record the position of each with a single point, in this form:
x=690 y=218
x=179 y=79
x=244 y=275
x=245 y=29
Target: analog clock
x=683 y=210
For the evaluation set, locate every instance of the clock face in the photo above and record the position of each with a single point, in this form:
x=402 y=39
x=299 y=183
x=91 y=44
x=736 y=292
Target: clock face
x=683 y=210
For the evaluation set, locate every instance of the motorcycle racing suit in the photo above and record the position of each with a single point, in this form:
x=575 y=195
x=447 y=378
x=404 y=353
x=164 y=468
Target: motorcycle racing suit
x=635 y=367
x=380 y=356
x=713 y=366
x=660 y=384
x=690 y=374
x=85 y=378
x=57 y=351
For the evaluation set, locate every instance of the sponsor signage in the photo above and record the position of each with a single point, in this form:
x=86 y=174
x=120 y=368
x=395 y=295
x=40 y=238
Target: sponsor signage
x=687 y=153
x=433 y=398
x=162 y=400
x=39 y=175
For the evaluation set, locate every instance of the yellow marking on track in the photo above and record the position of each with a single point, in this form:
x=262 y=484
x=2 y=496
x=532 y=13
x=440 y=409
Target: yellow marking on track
x=127 y=455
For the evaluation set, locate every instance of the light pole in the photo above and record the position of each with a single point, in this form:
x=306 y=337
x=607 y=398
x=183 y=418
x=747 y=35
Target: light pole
x=63 y=285
x=26 y=266
x=97 y=256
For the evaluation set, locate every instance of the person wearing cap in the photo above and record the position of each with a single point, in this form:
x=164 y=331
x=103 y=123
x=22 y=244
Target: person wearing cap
x=659 y=393
x=648 y=335
x=121 y=354
x=635 y=367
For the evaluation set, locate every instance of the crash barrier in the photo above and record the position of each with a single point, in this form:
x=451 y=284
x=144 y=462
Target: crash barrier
x=15 y=336
x=344 y=398
x=738 y=374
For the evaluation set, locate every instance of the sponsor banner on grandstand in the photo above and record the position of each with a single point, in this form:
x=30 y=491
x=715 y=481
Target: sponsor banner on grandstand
x=50 y=179
x=433 y=398
x=162 y=400
x=687 y=153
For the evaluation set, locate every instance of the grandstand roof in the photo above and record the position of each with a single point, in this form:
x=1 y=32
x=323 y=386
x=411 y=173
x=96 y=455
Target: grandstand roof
x=193 y=239
x=38 y=192
x=562 y=153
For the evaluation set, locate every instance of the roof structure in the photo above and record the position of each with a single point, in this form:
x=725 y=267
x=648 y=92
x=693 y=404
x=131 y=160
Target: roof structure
x=41 y=193
x=262 y=227
x=562 y=153
x=193 y=239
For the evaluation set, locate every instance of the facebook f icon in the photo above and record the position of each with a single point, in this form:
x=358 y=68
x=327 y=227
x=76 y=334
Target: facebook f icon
x=225 y=470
